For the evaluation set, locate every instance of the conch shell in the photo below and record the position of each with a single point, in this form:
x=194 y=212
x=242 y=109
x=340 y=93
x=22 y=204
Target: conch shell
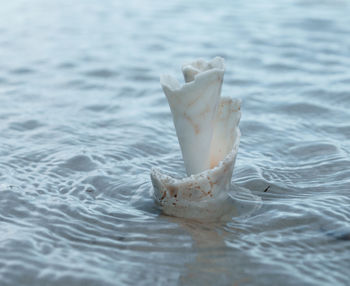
x=207 y=129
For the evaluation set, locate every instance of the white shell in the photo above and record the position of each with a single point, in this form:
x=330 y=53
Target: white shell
x=208 y=133
x=194 y=107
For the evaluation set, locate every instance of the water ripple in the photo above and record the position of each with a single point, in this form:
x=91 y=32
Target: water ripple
x=84 y=119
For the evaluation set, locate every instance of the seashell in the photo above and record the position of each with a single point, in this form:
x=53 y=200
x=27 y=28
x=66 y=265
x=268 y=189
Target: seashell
x=207 y=130
x=194 y=107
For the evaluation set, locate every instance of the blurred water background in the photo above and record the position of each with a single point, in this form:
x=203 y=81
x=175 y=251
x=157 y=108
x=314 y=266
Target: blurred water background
x=83 y=119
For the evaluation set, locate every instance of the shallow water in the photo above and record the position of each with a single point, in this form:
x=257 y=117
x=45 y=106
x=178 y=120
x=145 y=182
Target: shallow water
x=83 y=119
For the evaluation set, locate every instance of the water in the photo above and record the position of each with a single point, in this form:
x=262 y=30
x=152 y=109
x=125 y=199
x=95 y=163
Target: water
x=83 y=119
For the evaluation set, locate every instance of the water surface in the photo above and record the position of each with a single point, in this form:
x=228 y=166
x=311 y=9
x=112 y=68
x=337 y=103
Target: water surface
x=83 y=119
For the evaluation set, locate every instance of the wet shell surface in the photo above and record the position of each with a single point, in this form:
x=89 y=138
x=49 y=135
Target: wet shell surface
x=201 y=196
x=207 y=129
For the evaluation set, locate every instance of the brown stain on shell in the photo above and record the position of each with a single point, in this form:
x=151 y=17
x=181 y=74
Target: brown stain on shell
x=214 y=163
x=194 y=101
x=163 y=196
x=195 y=126
x=206 y=110
x=212 y=184
x=173 y=191
x=196 y=129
